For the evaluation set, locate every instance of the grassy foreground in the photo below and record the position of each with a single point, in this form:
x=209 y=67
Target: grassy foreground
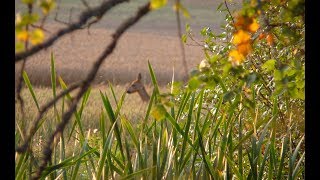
x=240 y=116
x=188 y=134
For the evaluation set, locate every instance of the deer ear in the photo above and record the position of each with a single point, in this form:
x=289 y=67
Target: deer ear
x=139 y=76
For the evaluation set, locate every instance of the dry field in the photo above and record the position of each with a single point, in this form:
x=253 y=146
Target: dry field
x=154 y=38
x=74 y=56
x=133 y=108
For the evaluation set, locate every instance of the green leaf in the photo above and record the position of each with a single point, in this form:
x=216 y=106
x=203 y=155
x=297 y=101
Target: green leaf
x=277 y=75
x=282 y=156
x=228 y=96
x=156 y=4
x=113 y=120
x=53 y=75
x=64 y=87
x=176 y=88
x=269 y=65
x=158 y=112
x=300 y=84
x=184 y=38
x=219 y=7
x=19 y=46
x=188 y=29
x=28 y=83
x=29 y=19
x=294 y=156
x=194 y=83
x=279 y=90
x=47 y=6
x=27 y=1
x=290 y=72
x=153 y=78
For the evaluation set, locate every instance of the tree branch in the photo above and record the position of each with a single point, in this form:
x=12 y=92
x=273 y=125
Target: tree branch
x=20 y=81
x=43 y=110
x=47 y=152
x=225 y=3
x=83 y=18
x=184 y=62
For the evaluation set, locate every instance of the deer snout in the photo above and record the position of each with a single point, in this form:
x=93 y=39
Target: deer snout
x=129 y=91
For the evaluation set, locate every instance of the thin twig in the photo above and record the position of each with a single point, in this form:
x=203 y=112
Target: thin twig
x=42 y=28
x=83 y=18
x=267 y=88
x=56 y=16
x=85 y=4
x=184 y=62
x=225 y=2
x=43 y=21
x=194 y=45
x=47 y=152
x=93 y=22
x=191 y=37
x=19 y=86
x=44 y=109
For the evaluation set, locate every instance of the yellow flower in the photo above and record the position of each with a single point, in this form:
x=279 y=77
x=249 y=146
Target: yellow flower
x=23 y=35
x=156 y=4
x=241 y=37
x=254 y=26
x=236 y=58
x=244 y=48
x=47 y=5
x=239 y=22
x=37 y=36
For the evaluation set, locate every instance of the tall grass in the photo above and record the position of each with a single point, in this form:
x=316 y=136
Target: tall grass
x=192 y=134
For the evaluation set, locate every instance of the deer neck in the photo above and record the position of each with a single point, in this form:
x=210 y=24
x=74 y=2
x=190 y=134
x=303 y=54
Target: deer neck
x=143 y=94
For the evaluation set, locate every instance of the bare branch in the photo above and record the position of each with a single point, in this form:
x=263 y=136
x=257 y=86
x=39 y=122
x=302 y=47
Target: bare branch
x=84 y=2
x=225 y=2
x=40 y=27
x=19 y=86
x=83 y=18
x=43 y=110
x=56 y=16
x=93 y=22
x=191 y=37
x=184 y=62
x=47 y=152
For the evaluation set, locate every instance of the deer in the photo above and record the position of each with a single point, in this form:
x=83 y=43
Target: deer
x=137 y=86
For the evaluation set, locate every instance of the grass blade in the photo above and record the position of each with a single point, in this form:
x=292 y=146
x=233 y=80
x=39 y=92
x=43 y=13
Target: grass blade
x=112 y=118
x=186 y=131
x=28 y=83
x=283 y=153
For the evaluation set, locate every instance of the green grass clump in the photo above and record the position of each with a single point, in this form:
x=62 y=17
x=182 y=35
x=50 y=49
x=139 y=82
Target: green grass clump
x=187 y=134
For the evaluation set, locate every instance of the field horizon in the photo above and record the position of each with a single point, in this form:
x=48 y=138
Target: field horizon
x=152 y=39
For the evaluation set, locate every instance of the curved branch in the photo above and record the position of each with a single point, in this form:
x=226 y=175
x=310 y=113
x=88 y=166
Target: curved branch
x=47 y=152
x=45 y=108
x=225 y=3
x=83 y=18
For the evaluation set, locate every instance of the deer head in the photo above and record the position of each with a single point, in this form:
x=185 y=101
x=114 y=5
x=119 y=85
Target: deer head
x=137 y=86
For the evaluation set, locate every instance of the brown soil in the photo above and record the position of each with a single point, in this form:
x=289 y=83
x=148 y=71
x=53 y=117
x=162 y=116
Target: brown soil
x=75 y=54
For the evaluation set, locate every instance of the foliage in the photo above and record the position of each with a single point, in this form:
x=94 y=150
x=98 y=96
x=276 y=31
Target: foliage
x=24 y=21
x=240 y=116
